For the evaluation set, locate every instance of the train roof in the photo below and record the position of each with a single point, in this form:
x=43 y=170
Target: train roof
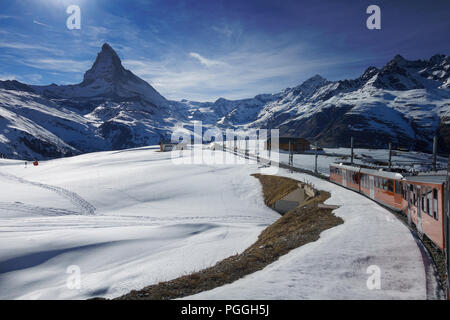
x=436 y=179
x=375 y=172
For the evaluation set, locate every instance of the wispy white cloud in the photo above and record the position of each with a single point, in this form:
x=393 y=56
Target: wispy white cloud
x=228 y=29
x=32 y=78
x=60 y=65
x=205 y=61
x=25 y=46
x=239 y=74
x=4 y=16
x=40 y=23
x=7 y=76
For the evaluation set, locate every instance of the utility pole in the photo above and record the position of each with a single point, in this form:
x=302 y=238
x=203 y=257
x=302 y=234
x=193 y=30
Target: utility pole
x=289 y=159
x=291 y=155
x=351 y=146
x=315 y=162
x=390 y=155
x=434 y=153
x=246 y=147
x=269 y=135
x=257 y=146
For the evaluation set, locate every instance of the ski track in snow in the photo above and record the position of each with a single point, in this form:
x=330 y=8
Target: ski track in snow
x=85 y=207
x=43 y=211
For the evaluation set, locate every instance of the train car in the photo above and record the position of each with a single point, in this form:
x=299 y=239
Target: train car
x=420 y=197
x=423 y=203
x=381 y=186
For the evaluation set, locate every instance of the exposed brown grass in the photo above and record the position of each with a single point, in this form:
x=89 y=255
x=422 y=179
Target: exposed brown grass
x=294 y=229
x=275 y=188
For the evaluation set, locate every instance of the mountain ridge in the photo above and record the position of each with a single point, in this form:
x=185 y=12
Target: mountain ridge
x=406 y=102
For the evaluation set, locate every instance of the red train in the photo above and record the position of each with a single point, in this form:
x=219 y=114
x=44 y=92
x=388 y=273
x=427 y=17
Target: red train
x=422 y=198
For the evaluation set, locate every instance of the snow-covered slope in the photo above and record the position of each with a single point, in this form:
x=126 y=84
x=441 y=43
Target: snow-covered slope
x=131 y=218
x=405 y=102
x=33 y=127
x=340 y=263
x=126 y=218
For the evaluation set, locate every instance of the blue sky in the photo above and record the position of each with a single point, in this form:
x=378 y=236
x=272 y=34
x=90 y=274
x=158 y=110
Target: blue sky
x=202 y=50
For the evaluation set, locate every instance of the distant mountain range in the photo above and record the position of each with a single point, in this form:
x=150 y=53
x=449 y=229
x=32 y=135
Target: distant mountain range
x=405 y=102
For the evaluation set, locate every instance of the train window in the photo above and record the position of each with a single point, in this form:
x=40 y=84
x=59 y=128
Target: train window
x=398 y=187
x=390 y=185
x=435 y=203
x=422 y=201
x=429 y=201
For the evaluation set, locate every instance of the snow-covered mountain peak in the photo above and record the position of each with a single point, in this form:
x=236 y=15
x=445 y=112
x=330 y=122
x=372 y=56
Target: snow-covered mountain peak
x=314 y=82
x=307 y=89
x=106 y=80
x=439 y=59
x=107 y=66
x=399 y=60
x=14 y=85
x=406 y=102
x=369 y=73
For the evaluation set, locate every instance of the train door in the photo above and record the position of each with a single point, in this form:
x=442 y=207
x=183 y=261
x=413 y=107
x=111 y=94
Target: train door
x=372 y=186
x=409 y=199
x=419 y=210
x=397 y=192
x=344 y=177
